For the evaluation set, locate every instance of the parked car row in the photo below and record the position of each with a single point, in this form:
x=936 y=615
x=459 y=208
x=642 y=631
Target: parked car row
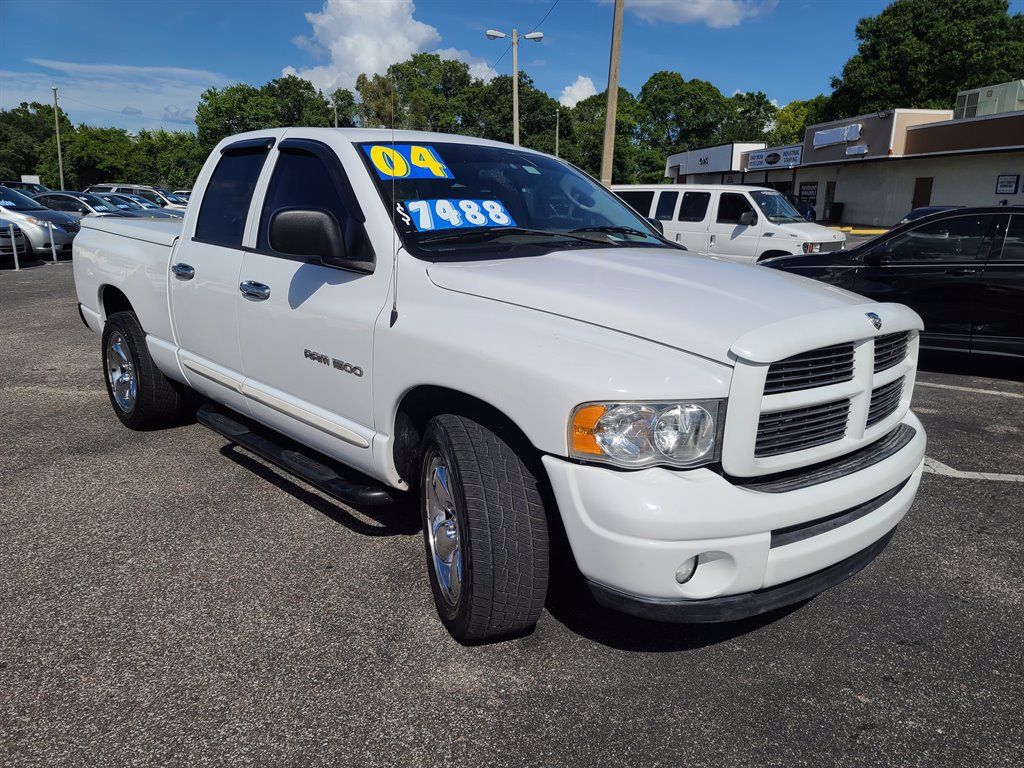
x=46 y=221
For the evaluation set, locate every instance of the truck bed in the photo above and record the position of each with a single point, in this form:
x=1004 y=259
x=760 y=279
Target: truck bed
x=158 y=231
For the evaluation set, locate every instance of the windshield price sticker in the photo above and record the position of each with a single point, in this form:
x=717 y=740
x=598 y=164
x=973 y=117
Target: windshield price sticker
x=407 y=161
x=431 y=215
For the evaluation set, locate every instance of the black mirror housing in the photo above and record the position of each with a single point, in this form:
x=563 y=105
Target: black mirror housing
x=747 y=218
x=314 y=233
x=657 y=225
x=874 y=257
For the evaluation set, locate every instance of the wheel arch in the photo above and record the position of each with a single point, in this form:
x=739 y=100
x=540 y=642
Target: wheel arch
x=772 y=254
x=112 y=299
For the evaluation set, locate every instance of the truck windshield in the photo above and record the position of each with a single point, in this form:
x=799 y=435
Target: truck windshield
x=776 y=207
x=449 y=197
x=13 y=200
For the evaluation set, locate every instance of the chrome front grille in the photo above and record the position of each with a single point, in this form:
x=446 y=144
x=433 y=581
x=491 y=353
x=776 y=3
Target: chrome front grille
x=833 y=246
x=884 y=400
x=801 y=428
x=817 y=368
x=891 y=350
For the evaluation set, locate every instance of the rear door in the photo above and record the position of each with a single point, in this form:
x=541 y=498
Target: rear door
x=936 y=269
x=204 y=275
x=665 y=209
x=999 y=320
x=690 y=227
x=728 y=237
x=307 y=338
x=640 y=200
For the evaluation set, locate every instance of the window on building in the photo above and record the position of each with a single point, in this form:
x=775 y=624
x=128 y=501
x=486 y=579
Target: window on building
x=694 y=206
x=639 y=200
x=731 y=206
x=961 y=238
x=227 y=197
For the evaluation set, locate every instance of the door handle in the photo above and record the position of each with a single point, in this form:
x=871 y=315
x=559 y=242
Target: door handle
x=961 y=271
x=712 y=240
x=254 y=291
x=183 y=271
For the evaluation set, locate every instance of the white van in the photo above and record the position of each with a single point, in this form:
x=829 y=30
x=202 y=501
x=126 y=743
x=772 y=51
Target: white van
x=735 y=222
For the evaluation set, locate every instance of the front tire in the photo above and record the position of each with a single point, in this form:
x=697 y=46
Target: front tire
x=141 y=396
x=485 y=532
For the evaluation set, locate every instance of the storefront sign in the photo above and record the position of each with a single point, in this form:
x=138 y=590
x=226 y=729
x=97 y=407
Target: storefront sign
x=841 y=135
x=779 y=157
x=1007 y=184
x=808 y=193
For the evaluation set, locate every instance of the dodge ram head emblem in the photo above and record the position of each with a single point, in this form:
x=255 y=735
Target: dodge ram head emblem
x=875 y=320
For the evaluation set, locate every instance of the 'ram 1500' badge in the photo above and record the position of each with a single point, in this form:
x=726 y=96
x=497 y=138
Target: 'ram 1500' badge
x=875 y=320
x=340 y=365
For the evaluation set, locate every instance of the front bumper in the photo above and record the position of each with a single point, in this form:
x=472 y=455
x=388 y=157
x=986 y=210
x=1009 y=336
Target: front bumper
x=630 y=531
x=41 y=237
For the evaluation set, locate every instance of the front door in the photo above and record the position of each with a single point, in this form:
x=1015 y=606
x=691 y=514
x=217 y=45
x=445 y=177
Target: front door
x=307 y=339
x=999 y=321
x=204 y=277
x=922 y=192
x=729 y=237
x=936 y=269
x=690 y=227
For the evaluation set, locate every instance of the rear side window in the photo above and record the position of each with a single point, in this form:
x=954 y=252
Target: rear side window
x=639 y=200
x=731 y=207
x=961 y=238
x=666 y=206
x=300 y=180
x=694 y=206
x=1013 y=245
x=227 y=197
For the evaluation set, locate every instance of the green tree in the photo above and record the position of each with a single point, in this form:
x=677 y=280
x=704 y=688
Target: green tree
x=748 y=117
x=343 y=104
x=169 y=158
x=920 y=53
x=676 y=114
x=297 y=102
x=233 y=109
x=792 y=120
x=588 y=144
x=24 y=133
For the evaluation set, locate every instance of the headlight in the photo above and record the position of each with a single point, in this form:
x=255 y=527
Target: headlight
x=679 y=434
x=812 y=247
x=38 y=222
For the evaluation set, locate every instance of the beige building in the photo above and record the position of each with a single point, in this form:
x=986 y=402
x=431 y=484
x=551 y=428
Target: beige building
x=873 y=169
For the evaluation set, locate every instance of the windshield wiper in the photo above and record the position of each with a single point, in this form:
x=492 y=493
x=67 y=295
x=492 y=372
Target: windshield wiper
x=489 y=233
x=614 y=230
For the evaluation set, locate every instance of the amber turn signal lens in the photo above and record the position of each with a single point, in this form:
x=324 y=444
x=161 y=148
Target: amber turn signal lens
x=584 y=424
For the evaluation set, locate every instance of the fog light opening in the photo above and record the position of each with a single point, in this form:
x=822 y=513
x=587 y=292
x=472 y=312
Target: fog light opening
x=685 y=571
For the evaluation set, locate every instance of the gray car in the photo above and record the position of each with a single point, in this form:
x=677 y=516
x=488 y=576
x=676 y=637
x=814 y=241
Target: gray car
x=44 y=229
x=128 y=207
x=77 y=204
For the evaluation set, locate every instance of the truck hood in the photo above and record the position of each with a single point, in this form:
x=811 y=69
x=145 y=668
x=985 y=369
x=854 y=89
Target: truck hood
x=693 y=303
x=808 y=230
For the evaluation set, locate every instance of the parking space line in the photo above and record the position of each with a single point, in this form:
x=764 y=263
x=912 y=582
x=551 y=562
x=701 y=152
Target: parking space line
x=936 y=467
x=969 y=389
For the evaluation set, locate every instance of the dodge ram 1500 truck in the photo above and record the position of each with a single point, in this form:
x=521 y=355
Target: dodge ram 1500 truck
x=489 y=327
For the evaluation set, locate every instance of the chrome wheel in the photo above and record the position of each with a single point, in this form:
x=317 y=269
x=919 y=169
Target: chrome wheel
x=443 y=529
x=121 y=372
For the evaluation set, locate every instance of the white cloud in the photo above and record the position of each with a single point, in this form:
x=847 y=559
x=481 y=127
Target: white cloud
x=121 y=95
x=714 y=13
x=355 y=36
x=478 y=66
x=577 y=91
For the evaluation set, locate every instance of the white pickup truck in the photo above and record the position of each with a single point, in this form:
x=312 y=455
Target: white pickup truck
x=489 y=327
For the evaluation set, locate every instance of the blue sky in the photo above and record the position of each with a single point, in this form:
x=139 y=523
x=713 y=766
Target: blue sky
x=141 y=64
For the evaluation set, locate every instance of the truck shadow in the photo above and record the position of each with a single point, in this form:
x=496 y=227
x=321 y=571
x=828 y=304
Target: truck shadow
x=398 y=519
x=570 y=603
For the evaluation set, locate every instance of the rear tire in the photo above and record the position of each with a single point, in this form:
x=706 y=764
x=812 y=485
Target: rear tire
x=485 y=532
x=141 y=396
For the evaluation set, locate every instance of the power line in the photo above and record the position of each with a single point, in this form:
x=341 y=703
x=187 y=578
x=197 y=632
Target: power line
x=143 y=115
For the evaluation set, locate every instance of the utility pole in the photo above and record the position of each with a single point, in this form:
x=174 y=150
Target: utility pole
x=493 y=34
x=613 y=96
x=335 y=114
x=56 y=126
x=558 y=112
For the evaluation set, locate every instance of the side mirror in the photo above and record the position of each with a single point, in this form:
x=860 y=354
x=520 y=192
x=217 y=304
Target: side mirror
x=874 y=258
x=308 y=232
x=657 y=225
x=747 y=218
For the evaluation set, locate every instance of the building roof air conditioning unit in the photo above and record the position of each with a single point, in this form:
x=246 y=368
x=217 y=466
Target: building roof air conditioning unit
x=990 y=100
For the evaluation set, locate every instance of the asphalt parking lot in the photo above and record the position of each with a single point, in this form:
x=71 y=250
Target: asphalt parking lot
x=167 y=600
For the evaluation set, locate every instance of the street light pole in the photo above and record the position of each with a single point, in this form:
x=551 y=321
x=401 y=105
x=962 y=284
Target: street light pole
x=493 y=34
x=558 y=113
x=56 y=126
x=612 y=101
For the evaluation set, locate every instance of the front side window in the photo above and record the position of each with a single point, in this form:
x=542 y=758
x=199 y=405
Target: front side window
x=1013 y=244
x=300 y=180
x=962 y=238
x=485 y=201
x=666 y=206
x=731 y=207
x=694 y=206
x=226 y=200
